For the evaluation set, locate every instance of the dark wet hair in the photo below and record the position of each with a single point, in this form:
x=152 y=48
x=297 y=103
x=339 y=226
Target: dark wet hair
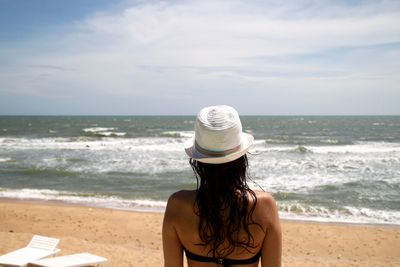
x=222 y=203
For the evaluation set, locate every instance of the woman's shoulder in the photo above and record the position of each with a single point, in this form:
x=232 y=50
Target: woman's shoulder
x=265 y=198
x=179 y=207
x=181 y=199
x=266 y=208
x=182 y=196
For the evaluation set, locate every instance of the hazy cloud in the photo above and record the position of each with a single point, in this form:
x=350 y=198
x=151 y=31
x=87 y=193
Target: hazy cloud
x=205 y=52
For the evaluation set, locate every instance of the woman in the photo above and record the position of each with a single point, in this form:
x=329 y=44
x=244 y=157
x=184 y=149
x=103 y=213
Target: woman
x=223 y=222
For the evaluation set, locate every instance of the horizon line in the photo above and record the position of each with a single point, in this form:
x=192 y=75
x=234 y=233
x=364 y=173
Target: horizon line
x=182 y=115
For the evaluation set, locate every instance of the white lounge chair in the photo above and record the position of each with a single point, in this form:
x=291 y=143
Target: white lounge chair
x=39 y=248
x=73 y=260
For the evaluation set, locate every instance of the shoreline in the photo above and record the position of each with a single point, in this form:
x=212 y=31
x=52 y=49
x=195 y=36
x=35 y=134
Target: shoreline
x=296 y=220
x=133 y=238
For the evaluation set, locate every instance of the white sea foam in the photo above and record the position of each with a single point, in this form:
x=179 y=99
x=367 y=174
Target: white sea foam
x=346 y=214
x=259 y=142
x=329 y=141
x=184 y=134
x=304 y=166
x=286 y=210
x=98 y=129
x=104 y=131
x=277 y=168
x=127 y=155
x=5 y=159
x=148 y=143
x=292 y=168
x=359 y=147
x=84 y=199
x=108 y=134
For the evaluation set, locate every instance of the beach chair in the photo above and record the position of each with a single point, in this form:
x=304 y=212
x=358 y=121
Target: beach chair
x=73 y=260
x=40 y=247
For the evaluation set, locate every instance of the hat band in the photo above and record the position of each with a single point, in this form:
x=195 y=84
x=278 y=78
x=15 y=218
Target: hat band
x=216 y=153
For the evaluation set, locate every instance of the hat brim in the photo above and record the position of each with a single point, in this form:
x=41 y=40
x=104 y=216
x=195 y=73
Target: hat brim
x=191 y=151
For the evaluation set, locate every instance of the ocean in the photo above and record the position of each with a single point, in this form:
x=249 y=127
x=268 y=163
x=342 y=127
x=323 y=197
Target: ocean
x=320 y=168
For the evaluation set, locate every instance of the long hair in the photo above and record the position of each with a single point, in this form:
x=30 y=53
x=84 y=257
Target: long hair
x=223 y=206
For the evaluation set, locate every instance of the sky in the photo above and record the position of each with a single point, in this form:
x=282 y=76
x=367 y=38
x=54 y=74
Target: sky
x=100 y=57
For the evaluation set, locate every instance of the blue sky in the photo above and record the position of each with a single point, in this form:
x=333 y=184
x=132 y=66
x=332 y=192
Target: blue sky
x=99 y=57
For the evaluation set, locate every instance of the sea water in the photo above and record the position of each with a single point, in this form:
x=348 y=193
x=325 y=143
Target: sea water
x=342 y=169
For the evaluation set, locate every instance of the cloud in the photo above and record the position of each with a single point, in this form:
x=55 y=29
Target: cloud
x=208 y=33
x=180 y=47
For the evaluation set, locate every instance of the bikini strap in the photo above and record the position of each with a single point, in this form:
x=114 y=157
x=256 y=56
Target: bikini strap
x=222 y=261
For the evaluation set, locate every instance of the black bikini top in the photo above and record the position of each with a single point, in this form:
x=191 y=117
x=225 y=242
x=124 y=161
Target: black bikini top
x=222 y=261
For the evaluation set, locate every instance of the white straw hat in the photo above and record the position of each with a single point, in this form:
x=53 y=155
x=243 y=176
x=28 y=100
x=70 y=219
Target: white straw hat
x=218 y=136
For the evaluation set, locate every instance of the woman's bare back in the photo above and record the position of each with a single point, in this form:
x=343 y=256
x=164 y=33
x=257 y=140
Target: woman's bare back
x=181 y=217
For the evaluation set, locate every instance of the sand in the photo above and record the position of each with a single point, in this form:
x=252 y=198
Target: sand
x=134 y=238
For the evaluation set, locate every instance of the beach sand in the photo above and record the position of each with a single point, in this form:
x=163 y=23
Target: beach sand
x=134 y=238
